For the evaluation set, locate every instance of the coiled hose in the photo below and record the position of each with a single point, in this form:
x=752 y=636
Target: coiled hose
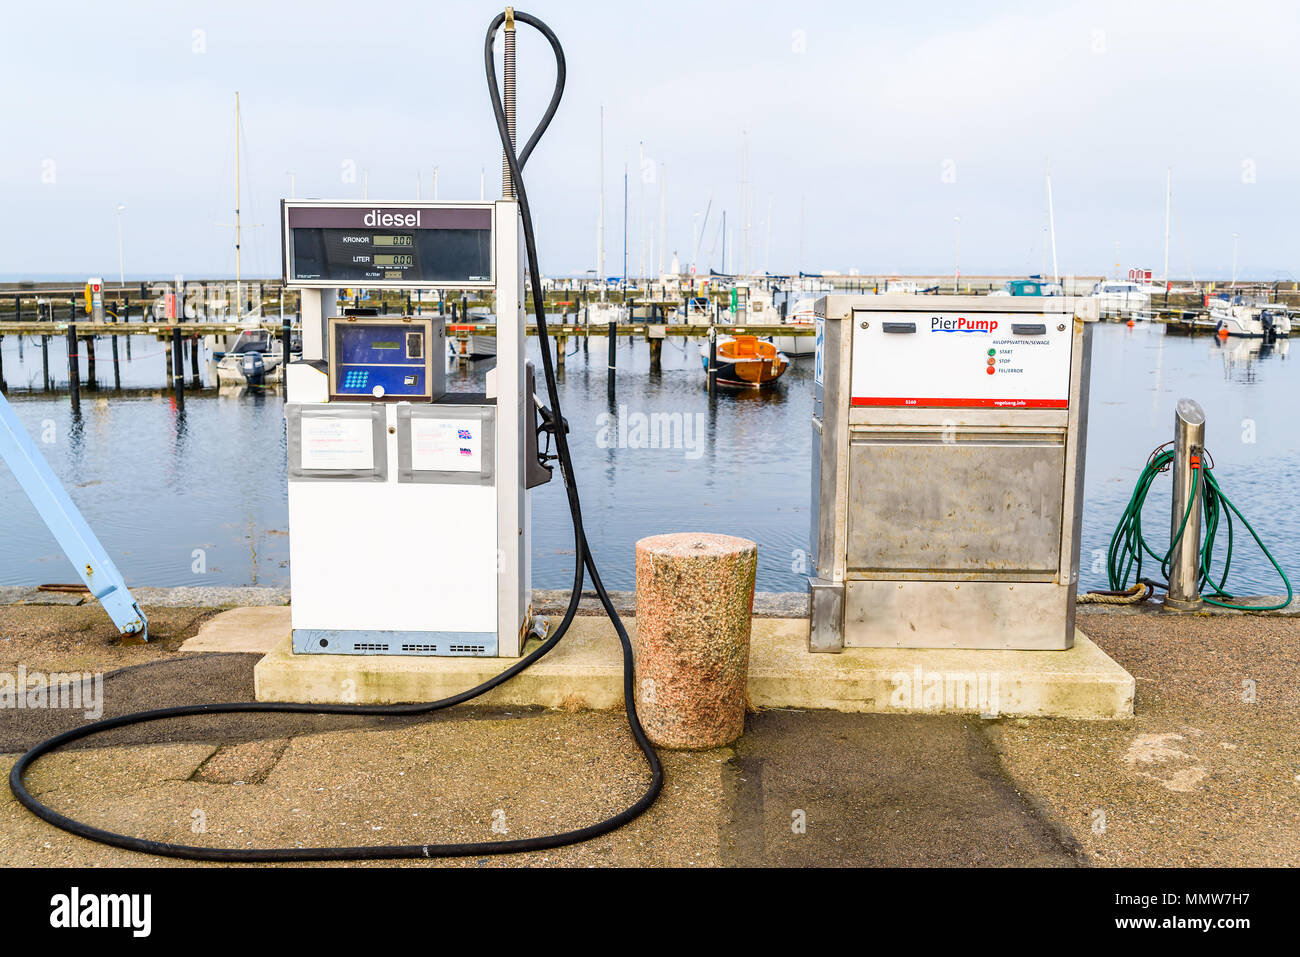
x=585 y=560
x=1128 y=545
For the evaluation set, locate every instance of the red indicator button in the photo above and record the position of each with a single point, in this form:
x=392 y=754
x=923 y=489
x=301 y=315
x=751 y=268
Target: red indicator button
x=991 y=370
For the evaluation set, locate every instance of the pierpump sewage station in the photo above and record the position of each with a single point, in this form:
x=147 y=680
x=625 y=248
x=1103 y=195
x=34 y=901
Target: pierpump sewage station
x=947 y=471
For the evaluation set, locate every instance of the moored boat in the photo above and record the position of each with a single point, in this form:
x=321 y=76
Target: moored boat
x=253 y=359
x=747 y=361
x=761 y=310
x=1268 y=321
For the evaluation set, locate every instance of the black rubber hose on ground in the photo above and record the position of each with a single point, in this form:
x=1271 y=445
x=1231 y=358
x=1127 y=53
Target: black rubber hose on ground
x=584 y=560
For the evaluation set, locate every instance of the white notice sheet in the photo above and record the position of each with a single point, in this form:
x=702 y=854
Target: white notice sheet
x=446 y=445
x=337 y=443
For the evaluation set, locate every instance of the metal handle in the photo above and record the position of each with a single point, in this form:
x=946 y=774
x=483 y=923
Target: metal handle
x=1029 y=328
x=899 y=326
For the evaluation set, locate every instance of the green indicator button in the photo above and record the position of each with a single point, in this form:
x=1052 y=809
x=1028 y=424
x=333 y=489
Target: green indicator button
x=993 y=352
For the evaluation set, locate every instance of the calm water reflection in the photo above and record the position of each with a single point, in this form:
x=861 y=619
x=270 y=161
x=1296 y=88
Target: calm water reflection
x=199 y=497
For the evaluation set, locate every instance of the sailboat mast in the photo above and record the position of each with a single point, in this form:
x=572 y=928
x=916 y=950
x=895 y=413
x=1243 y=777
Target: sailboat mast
x=600 y=223
x=1169 y=180
x=744 y=201
x=801 y=210
x=663 y=214
x=1051 y=226
x=239 y=298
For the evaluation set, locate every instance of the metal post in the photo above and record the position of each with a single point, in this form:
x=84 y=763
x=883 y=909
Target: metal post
x=117 y=366
x=45 y=362
x=178 y=370
x=194 y=362
x=1185 y=563
x=713 y=360
x=74 y=369
x=613 y=345
x=92 y=379
x=67 y=525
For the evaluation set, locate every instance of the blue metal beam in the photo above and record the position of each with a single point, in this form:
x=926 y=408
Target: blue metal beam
x=68 y=526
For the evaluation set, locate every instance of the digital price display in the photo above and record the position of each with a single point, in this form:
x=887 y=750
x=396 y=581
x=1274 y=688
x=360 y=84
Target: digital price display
x=387 y=245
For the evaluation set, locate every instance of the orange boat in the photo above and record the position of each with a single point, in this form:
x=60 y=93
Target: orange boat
x=747 y=361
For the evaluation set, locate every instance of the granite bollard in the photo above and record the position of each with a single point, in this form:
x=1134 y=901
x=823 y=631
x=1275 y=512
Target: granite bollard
x=694 y=604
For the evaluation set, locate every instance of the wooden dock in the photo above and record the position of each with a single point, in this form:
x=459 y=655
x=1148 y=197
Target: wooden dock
x=161 y=329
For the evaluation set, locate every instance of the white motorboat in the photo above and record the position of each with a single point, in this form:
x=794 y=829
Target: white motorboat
x=1121 y=298
x=255 y=358
x=602 y=313
x=1268 y=321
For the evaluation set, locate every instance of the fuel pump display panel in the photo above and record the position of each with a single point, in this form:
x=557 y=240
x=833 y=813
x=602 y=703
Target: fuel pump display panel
x=387 y=245
x=381 y=359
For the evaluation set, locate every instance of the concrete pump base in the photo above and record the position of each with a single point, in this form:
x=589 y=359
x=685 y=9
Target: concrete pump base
x=585 y=671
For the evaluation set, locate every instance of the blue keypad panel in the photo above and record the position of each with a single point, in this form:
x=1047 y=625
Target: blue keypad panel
x=370 y=354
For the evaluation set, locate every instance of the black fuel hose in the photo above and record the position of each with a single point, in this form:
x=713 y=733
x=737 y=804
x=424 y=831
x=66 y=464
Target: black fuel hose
x=584 y=560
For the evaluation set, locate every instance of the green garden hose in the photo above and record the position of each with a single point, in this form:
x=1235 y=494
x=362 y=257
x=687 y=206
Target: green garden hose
x=1128 y=546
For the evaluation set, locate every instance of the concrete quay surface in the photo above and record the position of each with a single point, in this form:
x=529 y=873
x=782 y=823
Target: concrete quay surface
x=1203 y=774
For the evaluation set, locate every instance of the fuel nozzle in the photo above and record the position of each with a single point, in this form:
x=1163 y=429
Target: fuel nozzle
x=543 y=422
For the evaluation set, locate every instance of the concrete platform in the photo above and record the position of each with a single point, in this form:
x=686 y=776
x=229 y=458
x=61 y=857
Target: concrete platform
x=255 y=630
x=585 y=671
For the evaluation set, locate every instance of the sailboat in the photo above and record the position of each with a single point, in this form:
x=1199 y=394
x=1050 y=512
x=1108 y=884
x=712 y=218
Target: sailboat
x=251 y=356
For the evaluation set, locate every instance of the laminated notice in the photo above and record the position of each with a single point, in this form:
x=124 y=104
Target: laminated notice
x=447 y=445
x=337 y=443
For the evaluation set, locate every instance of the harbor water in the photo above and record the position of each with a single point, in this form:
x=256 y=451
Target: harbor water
x=203 y=501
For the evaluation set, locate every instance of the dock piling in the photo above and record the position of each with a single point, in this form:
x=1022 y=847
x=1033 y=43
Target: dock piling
x=713 y=360
x=92 y=380
x=178 y=370
x=45 y=362
x=74 y=368
x=168 y=364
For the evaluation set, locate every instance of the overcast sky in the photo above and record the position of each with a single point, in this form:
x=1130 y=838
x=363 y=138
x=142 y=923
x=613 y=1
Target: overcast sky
x=886 y=121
